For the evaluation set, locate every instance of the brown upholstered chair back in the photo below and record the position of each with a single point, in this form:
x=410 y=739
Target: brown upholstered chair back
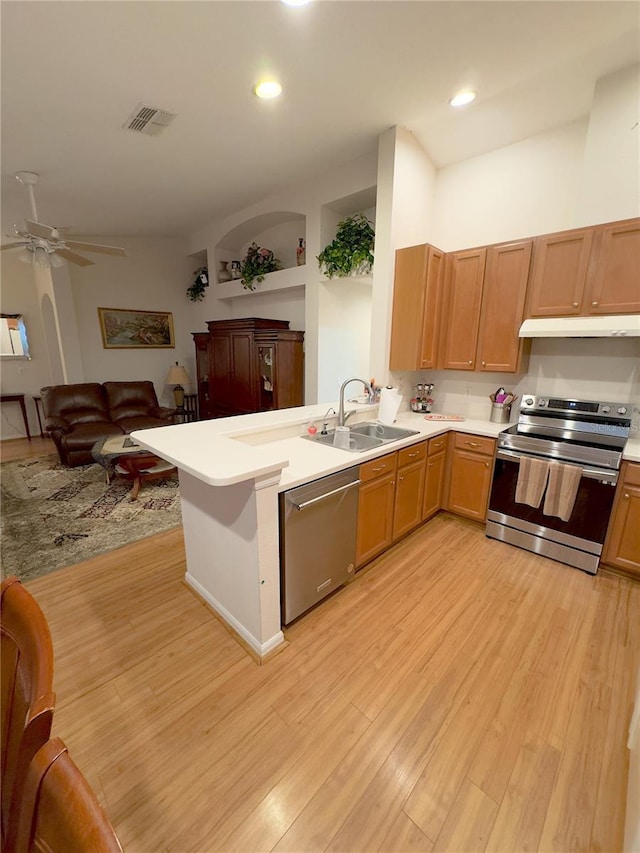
x=60 y=811
x=27 y=697
x=130 y=399
x=75 y=404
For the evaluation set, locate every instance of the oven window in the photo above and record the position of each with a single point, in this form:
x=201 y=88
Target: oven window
x=591 y=511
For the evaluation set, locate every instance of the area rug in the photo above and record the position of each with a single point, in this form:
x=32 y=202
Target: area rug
x=52 y=516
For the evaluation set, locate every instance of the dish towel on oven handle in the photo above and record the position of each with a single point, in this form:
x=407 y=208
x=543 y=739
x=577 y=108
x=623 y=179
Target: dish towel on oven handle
x=560 y=498
x=532 y=479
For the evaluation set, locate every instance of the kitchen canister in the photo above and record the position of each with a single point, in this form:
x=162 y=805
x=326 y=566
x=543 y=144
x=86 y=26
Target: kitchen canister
x=500 y=413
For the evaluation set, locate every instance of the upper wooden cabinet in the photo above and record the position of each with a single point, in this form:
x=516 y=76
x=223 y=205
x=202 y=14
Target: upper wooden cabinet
x=484 y=302
x=461 y=310
x=416 y=308
x=503 y=299
x=614 y=281
x=586 y=271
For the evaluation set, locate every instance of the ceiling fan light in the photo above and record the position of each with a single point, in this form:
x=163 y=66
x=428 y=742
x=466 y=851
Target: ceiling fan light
x=25 y=256
x=40 y=258
x=56 y=261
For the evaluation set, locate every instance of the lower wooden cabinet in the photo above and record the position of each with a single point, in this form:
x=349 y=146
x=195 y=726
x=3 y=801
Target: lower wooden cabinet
x=434 y=476
x=622 y=548
x=375 y=507
x=470 y=475
x=407 y=512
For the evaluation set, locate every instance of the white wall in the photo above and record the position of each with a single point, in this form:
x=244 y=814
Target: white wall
x=153 y=277
x=611 y=168
x=303 y=305
x=22 y=376
x=521 y=190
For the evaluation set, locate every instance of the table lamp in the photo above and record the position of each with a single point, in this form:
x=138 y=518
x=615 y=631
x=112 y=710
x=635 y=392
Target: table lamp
x=176 y=376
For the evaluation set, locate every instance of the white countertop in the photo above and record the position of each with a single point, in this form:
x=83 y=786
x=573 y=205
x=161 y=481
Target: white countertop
x=632 y=450
x=230 y=450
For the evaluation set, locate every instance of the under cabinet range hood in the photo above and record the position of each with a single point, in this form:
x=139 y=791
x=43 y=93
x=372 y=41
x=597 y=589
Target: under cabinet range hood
x=618 y=326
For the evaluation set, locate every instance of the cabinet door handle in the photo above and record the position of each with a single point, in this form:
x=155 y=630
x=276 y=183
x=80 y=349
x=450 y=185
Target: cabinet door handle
x=411 y=455
x=486 y=464
x=382 y=468
x=401 y=478
x=484 y=363
x=575 y=304
x=594 y=303
x=470 y=362
x=392 y=483
x=626 y=497
x=473 y=443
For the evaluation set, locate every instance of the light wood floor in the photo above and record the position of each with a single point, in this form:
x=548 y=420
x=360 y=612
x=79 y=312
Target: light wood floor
x=460 y=694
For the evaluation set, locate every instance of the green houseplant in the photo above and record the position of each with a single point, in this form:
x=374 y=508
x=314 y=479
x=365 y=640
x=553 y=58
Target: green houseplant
x=351 y=252
x=256 y=264
x=195 y=291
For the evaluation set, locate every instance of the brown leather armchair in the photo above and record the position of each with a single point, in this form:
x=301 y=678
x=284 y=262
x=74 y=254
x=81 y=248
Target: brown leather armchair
x=77 y=416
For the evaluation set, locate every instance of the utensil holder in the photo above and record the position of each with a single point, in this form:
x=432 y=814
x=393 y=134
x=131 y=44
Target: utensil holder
x=500 y=414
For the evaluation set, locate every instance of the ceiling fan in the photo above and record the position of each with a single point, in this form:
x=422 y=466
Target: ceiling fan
x=46 y=245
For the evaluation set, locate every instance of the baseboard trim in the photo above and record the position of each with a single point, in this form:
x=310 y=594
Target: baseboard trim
x=259 y=651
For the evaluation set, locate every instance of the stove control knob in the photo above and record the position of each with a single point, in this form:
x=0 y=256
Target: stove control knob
x=542 y=402
x=622 y=410
x=606 y=410
x=528 y=401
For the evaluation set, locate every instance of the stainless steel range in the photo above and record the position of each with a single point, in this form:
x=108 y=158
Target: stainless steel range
x=555 y=477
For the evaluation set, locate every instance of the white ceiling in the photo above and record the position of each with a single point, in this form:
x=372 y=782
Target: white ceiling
x=72 y=72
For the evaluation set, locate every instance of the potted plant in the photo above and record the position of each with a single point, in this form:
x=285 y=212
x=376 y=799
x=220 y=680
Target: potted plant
x=256 y=264
x=351 y=253
x=195 y=291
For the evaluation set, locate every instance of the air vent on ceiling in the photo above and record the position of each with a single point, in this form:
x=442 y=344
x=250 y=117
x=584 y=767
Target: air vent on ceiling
x=148 y=120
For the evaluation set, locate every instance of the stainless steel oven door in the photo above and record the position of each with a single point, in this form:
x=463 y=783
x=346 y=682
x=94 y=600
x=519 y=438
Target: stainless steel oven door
x=578 y=541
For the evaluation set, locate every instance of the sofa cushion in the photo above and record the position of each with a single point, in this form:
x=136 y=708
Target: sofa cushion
x=67 y=405
x=84 y=436
x=131 y=400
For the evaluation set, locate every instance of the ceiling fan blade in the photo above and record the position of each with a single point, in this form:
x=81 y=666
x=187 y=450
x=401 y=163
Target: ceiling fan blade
x=47 y=232
x=14 y=245
x=96 y=247
x=70 y=256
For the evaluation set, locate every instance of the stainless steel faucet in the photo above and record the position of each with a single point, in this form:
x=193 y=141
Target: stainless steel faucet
x=342 y=417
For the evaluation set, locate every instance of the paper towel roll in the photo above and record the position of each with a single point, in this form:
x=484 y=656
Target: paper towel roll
x=390 y=401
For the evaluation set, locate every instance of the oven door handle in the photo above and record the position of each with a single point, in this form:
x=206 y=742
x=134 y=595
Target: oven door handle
x=610 y=477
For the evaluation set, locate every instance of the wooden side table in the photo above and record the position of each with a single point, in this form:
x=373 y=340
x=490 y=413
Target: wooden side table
x=37 y=400
x=190 y=411
x=18 y=398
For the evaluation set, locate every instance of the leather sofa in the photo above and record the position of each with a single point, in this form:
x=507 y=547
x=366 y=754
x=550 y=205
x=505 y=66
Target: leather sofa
x=77 y=416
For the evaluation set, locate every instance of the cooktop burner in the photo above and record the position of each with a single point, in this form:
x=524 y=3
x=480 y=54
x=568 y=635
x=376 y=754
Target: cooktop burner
x=584 y=431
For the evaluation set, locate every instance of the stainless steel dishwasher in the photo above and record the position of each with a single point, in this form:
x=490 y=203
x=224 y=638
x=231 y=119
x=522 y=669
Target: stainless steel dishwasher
x=317 y=540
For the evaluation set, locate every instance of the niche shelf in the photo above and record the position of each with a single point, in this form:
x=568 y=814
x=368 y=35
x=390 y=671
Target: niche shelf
x=278 y=231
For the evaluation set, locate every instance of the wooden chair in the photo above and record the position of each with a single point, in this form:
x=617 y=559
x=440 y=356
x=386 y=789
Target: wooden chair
x=60 y=811
x=26 y=712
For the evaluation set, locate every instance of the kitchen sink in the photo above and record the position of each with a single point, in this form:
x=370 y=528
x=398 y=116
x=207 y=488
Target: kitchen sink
x=365 y=436
x=357 y=441
x=382 y=431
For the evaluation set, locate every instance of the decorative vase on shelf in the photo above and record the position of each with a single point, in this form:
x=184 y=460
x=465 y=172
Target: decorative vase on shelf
x=224 y=274
x=301 y=253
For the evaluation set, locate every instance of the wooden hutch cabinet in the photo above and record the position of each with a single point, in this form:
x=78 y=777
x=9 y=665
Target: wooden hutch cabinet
x=248 y=365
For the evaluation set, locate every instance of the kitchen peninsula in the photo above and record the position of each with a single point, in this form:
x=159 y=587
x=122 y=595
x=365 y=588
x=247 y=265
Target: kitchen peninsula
x=231 y=472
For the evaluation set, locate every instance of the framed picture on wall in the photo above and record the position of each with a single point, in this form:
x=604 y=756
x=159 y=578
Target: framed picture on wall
x=124 y=329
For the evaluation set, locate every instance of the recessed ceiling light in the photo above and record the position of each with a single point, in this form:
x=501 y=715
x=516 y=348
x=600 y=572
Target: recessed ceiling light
x=462 y=99
x=267 y=89
x=295 y=2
